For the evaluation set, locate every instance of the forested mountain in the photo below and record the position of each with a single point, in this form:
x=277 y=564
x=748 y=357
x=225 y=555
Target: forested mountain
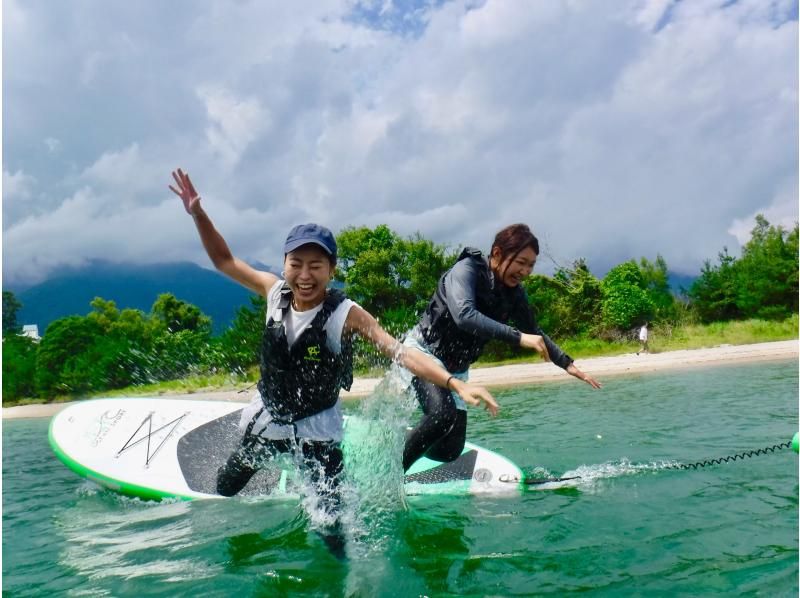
x=131 y=286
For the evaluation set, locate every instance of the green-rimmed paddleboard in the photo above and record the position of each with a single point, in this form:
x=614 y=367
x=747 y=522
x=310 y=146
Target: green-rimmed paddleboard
x=157 y=448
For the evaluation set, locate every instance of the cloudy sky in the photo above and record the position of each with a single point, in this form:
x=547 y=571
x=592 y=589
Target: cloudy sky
x=616 y=129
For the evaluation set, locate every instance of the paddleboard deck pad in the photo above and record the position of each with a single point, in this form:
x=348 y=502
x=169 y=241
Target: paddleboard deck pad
x=156 y=448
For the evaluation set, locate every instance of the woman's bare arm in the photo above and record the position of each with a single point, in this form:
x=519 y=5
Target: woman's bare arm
x=215 y=245
x=361 y=322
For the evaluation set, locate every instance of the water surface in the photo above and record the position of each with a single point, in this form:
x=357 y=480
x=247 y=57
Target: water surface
x=631 y=526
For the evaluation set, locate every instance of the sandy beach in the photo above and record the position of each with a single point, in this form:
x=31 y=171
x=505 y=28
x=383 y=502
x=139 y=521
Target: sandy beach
x=526 y=373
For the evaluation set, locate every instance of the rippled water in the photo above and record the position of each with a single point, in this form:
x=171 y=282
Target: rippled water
x=630 y=527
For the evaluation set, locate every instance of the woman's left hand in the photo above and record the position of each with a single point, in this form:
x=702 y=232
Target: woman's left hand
x=474 y=395
x=574 y=371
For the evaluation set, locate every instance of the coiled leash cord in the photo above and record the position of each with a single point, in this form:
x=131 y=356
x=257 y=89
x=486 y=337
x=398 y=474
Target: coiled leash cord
x=731 y=458
x=794 y=444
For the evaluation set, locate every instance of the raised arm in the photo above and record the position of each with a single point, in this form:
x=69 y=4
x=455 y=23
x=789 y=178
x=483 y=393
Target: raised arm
x=362 y=323
x=215 y=245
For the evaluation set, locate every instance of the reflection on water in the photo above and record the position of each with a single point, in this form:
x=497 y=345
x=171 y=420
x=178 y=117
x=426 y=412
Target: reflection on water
x=107 y=536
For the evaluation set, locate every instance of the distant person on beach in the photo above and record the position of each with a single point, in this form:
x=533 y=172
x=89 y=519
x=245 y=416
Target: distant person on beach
x=306 y=358
x=473 y=303
x=643 y=335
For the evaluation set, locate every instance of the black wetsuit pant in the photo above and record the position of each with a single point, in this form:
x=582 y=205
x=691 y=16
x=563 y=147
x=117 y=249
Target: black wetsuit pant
x=322 y=460
x=442 y=431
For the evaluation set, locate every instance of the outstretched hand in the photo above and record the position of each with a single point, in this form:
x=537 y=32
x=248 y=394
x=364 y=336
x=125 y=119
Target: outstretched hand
x=475 y=395
x=592 y=382
x=186 y=191
x=574 y=371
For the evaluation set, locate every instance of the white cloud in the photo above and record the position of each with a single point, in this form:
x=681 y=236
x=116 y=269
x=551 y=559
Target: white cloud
x=91 y=66
x=649 y=13
x=116 y=168
x=618 y=130
x=17 y=186
x=127 y=177
x=87 y=229
x=14 y=16
x=438 y=221
x=234 y=123
x=503 y=20
x=780 y=211
x=52 y=144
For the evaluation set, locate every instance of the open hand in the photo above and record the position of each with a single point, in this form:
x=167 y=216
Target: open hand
x=475 y=395
x=592 y=382
x=574 y=371
x=185 y=190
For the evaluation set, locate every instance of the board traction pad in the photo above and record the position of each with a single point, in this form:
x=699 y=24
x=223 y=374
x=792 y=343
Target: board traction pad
x=199 y=465
x=459 y=469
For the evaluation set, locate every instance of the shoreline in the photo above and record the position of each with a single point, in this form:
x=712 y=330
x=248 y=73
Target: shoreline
x=521 y=374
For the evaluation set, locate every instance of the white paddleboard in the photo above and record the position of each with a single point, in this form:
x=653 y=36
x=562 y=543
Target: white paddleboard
x=156 y=448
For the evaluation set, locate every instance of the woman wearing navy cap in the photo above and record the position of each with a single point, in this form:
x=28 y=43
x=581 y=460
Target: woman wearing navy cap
x=306 y=358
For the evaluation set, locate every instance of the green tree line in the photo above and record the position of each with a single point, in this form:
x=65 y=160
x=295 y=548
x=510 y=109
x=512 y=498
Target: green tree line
x=392 y=277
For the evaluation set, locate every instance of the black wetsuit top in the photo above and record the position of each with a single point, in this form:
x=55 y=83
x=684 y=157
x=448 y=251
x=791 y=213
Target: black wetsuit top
x=470 y=308
x=305 y=379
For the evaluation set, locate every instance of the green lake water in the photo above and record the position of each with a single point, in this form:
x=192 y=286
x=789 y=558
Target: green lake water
x=631 y=527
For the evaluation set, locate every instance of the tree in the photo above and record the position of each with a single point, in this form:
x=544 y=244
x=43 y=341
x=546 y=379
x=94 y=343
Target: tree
x=241 y=342
x=583 y=298
x=124 y=353
x=547 y=298
x=11 y=306
x=391 y=277
x=567 y=304
x=102 y=365
x=766 y=274
x=655 y=278
x=422 y=263
x=760 y=284
x=64 y=342
x=19 y=367
x=180 y=342
x=367 y=266
x=104 y=313
x=713 y=293
x=177 y=315
x=625 y=301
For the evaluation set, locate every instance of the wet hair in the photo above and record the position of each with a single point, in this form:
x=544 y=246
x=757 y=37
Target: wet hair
x=513 y=239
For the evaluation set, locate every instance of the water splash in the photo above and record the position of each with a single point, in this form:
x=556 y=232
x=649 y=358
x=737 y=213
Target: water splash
x=374 y=493
x=590 y=475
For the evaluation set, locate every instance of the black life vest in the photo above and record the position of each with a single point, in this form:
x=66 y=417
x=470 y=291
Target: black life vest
x=456 y=348
x=305 y=379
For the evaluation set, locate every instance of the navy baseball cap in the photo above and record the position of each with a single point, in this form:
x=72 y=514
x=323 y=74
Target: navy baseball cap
x=302 y=234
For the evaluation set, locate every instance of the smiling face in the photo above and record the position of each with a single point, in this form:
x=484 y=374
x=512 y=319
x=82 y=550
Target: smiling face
x=308 y=270
x=512 y=269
